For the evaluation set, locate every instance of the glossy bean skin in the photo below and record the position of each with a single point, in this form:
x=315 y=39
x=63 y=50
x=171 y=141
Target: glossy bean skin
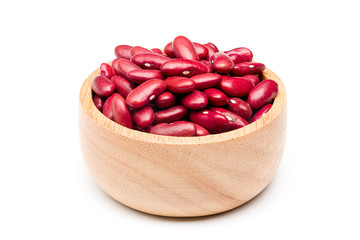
x=200 y=50
x=239 y=107
x=239 y=55
x=171 y=114
x=123 y=51
x=121 y=112
x=145 y=93
x=165 y=100
x=98 y=102
x=206 y=80
x=195 y=100
x=102 y=86
x=253 y=78
x=168 y=50
x=236 y=58
x=179 y=85
x=261 y=112
x=246 y=68
x=208 y=65
x=143 y=75
x=211 y=51
x=137 y=49
x=184 y=48
x=212 y=121
x=108 y=107
x=183 y=67
x=106 y=70
x=143 y=117
x=236 y=86
x=213 y=46
x=125 y=66
x=235 y=121
x=263 y=93
x=216 y=97
x=157 y=51
x=221 y=63
x=178 y=129
x=149 y=60
x=122 y=86
x=115 y=67
x=199 y=130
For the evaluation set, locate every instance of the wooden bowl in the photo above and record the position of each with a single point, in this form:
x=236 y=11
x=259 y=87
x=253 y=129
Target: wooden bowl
x=182 y=176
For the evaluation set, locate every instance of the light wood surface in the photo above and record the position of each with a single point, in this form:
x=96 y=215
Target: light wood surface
x=182 y=176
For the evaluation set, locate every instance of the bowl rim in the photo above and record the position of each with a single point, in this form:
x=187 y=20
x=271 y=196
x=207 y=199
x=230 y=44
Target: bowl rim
x=88 y=107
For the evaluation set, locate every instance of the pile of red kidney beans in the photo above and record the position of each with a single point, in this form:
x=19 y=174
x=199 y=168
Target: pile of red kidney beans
x=190 y=89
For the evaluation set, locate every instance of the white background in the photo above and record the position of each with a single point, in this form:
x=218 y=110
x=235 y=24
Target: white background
x=47 y=50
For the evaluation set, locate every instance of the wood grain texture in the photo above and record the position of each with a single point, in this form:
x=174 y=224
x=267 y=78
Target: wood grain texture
x=182 y=176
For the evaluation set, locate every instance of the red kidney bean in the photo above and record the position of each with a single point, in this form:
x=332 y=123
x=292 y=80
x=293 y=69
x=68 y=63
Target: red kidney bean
x=179 y=85
x=125 y=66
x=246 y=68
x=122 y=86
x=121 y=112
x=236 y=58
x=143 y=117
x=261 y=112
x=208 y=65
x=213 y=46
x=240 y=107
x=206 y=80
x=108 y=107
x=184 y=48
x=211 y=51
x=165 y=100
x=236 y=86
x=115 y=67
x=213 y=122
x=263 y=93
x=221 y=63
x=98 y=102
x=199 y=130
x=149 y=60
x=253 y=78
x=216 y=97
x=195 y=100
x=123 y=51
x=235 y=121
x=178 y=129
x=106 y=70
x=183 y=67
x=171 y=114
x=200 y=50
x=102 y=86
x=145 y=93
x=137 y=49
x=239 y=55
x=157 y=51
x=142 y=75
x=168 y=50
